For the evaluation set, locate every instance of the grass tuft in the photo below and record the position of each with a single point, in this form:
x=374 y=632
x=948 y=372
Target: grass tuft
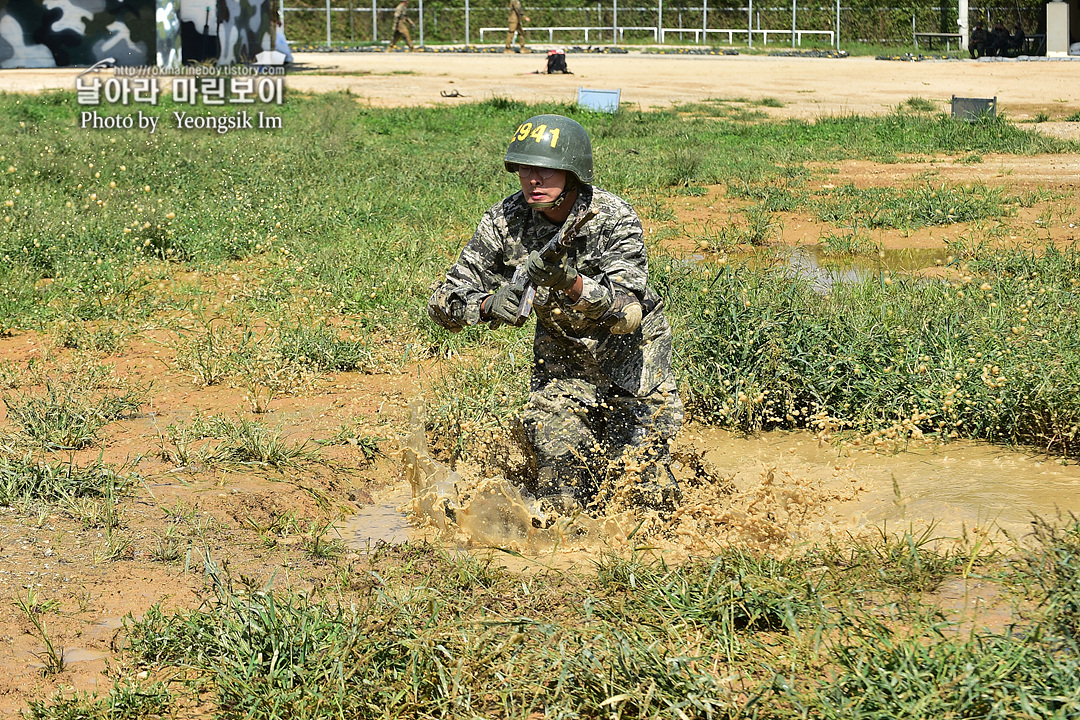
x=67 y=417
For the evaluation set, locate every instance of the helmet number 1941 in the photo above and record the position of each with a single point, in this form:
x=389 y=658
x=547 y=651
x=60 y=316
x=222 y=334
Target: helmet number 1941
x=525 y=130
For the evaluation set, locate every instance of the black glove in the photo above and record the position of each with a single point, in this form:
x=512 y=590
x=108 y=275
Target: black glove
x=503 y=306
x=556 y=274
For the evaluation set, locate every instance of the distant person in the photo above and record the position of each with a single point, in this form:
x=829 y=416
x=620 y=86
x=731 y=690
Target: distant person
x=1016 y=40
x=999 y=40
x=401 y=26
x=977 y=43
x=516 y=23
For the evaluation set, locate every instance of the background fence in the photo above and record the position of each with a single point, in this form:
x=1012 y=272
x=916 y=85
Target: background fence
x=352 y=22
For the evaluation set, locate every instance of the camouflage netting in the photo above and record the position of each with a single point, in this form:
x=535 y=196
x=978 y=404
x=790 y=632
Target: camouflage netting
x=74 y=33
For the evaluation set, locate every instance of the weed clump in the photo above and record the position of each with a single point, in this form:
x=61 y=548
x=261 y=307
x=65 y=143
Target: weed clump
x=1053 y=569
x=989 y=354
x=240 y=441
x=66 y=417
x=24 y=481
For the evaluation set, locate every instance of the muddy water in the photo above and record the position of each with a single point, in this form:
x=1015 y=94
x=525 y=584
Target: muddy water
x=773 y=492
x=384 y=521
x=823 y=271
x=959 y=485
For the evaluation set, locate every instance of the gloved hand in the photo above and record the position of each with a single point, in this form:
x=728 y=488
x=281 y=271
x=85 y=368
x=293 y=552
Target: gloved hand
x=503 y=306
x=556 y=274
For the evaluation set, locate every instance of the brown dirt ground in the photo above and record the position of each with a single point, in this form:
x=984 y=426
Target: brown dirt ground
x=216 y=508
x=1056 y=219
x=807 y=87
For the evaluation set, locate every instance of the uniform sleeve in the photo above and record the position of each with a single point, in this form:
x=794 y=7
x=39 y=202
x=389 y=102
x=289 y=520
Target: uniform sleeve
x=623 y=263
x=479 y=271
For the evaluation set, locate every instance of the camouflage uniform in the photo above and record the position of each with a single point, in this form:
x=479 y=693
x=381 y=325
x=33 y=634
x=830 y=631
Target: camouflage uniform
x=401 y=27
x=62 y=33
x=515 y=23
x=593 y=393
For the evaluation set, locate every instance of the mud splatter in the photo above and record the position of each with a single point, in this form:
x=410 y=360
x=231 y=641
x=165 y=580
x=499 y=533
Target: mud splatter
x=770 y=511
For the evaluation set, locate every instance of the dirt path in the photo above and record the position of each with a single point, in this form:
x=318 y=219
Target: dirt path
x=807 y=87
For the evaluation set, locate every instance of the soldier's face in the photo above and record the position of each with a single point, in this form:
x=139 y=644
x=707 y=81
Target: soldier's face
x=541 y=185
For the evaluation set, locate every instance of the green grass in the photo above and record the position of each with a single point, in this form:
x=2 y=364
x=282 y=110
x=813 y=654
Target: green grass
x=919 y=104
x=221 y=440
x=885 y=674
x=915 y=207
x=130 y=701
x=320 y=347
x=52 y=658
x=335 y=242
x=336 y=222
x=23 y=482
x=849 y=244
x=903 y=356
x=417 y=631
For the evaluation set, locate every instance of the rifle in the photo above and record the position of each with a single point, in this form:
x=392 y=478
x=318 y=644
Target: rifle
x=555 y=250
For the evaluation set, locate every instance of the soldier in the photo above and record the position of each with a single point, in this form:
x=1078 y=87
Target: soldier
x=602 y=393
x=977 y=45
x=401 y=26
x=1016 y=41
x=998 y=43
x=516 y=23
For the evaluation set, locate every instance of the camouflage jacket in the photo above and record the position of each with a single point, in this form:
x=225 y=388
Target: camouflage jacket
x=399 y=18
x=517 y=15
x=572 y=339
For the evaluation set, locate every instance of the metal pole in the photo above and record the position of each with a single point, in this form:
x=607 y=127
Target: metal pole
x=837 y=25
x=750 y=25
x=421 y=23
x=660 y=17
x=614 y=21
x=374 y=22
x=467 y=21
x=793 y=8
x=327 y=23
x=704 y=19
x=962 y=23
x=352 y=24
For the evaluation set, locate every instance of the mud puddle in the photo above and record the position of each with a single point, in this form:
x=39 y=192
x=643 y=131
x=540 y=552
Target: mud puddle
x=772 y=492
x=823 y=271
x=958 y=486
x=384 y=521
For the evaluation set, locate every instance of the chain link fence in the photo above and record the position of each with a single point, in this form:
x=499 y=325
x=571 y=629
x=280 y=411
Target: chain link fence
x=354 y=23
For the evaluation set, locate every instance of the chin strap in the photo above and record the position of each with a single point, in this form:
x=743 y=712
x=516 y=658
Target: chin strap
x=548 y=205
x=571 y=185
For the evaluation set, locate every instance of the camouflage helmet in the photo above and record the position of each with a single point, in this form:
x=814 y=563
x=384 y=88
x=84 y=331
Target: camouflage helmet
x=551 y=141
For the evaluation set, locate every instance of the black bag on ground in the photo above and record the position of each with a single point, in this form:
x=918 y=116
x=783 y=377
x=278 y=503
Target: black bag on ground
x=556 y=63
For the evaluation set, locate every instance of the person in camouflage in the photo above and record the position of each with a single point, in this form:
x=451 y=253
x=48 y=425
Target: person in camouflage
x=602 y=391
x=401 y=26
x=516 y=24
